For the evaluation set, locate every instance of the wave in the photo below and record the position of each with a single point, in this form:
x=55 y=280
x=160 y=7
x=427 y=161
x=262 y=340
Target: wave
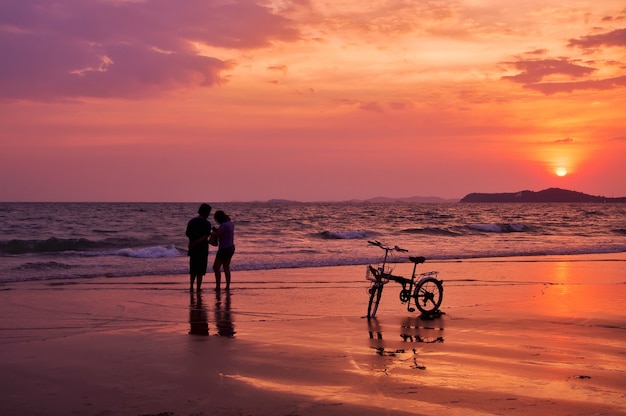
x=47 y=265
x=592 y=213
x=499 y=228
x=51 y=245
x=431 y=231
x=345 y=235
x=88 y=248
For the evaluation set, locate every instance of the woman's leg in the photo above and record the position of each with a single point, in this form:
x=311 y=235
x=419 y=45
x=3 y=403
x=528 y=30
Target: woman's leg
x=226 y=264
x=217 y=264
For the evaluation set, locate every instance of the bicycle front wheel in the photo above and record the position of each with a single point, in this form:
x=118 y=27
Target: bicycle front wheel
x=376 y=291
x=428 y=295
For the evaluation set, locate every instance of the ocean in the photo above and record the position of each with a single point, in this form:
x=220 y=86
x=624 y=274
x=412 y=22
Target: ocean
x=43 y=241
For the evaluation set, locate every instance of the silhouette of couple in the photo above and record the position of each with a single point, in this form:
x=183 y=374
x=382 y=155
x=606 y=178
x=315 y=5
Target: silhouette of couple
x=200 y=235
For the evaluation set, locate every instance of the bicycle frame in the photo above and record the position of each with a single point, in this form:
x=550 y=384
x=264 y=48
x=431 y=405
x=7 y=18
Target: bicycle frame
x=424 y=288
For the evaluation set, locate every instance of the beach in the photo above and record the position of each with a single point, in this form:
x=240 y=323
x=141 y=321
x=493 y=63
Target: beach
x=517 y=336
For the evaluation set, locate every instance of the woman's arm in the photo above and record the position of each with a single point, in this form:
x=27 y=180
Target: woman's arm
x=217 y=231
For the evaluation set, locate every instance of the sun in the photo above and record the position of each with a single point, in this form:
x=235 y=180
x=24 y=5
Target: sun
x=560 y=171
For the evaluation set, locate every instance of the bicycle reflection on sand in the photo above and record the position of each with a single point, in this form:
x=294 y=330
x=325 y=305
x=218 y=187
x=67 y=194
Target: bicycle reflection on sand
x=199 y=317
x=413 y=330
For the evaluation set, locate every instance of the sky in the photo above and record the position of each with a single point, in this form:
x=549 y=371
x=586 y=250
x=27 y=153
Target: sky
x=310 y=100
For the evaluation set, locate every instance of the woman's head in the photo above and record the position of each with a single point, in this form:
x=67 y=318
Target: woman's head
x=221 y=217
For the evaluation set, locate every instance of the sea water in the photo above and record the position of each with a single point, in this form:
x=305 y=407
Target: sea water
x=41 y=241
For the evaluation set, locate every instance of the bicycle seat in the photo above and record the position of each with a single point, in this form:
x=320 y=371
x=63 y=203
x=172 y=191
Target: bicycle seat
x=417 y=260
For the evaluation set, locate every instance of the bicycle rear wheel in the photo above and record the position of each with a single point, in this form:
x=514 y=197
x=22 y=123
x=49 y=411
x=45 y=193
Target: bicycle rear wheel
x=376 y=291
x=428 y=295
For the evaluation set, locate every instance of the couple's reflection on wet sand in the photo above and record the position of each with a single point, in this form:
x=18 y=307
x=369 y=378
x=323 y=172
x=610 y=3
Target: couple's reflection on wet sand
x=413 y=330
x=223 y=317
x=199 y=316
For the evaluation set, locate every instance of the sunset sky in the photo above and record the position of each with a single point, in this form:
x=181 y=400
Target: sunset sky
x=218 y=100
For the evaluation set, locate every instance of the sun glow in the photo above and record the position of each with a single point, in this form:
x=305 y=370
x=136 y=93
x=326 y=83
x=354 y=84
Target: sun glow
x=560 y=171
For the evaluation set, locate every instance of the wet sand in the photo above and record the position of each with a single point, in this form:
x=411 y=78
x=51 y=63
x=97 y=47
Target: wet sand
x=541 y=336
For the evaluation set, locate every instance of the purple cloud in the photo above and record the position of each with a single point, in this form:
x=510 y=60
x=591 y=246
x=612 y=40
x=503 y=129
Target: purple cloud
x=565 y=140
x=132 y=49
x=613 y=38
x=535 y=70
x=372 y=106
x=549 y=88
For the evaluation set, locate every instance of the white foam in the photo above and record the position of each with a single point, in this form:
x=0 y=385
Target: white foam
x=150 y=252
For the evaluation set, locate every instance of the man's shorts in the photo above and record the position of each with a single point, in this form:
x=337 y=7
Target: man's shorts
x=198 y=265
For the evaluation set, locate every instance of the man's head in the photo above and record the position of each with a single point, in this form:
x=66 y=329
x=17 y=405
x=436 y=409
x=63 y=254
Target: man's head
x=204 y=210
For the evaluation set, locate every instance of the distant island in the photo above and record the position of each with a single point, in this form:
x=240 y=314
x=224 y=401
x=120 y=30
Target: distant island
x=547 y=195
x=412 y=199
x=380 y=200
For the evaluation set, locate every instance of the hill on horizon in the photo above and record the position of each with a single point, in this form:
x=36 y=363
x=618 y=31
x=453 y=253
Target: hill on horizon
x=546 y=195
x=381 y=199
x=411 y=199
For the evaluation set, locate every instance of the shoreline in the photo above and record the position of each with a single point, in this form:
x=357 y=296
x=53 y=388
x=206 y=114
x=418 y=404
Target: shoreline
x=517 y=337
x=531 y=258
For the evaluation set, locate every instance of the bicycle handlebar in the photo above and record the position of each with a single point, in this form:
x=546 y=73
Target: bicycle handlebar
x=379 y=244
